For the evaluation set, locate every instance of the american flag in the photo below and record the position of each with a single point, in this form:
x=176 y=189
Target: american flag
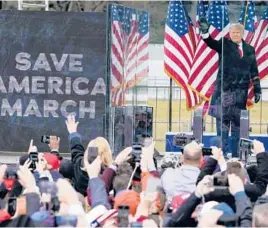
x=260 y=43
x=248 y=19
x=205 y=66
x=202 y=9
x=129 y=50
x=138 y=64
x=179 y=49
x=260 y=32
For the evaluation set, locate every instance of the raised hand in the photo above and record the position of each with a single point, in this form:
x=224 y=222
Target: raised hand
x=258 y=147
x=32 y=147
x=71 y=124
x=93 y=169
x=236 y=184
x=204 y=25
x=26 y=177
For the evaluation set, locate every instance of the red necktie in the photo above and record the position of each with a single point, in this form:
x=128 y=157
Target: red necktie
x=240 y=51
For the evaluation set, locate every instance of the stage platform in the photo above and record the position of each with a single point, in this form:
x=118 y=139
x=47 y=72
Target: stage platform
x=206 y=140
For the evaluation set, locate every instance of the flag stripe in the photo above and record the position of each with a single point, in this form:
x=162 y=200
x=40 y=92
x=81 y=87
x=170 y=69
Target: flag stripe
x=129 y=50
x=205 y=63
x=179 y=48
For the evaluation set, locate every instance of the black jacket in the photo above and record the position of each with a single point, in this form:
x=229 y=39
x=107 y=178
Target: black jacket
x=182 y=217
x=253 y=191
x=80 y=180
x=243 y=210
x=236 y=72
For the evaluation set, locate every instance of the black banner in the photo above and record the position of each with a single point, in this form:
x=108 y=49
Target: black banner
x=52 y=64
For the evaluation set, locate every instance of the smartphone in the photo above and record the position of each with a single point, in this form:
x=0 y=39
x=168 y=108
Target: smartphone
x=206 y=151
x=93 y=152
x=33 y=157
x=45 y=139
x=136 y=152
x=246 y=144
x=55 y=204
x=12 y=205
x=220 y=182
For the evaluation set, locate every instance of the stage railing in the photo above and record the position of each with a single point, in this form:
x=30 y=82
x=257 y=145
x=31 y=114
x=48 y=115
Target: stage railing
x=158 y=98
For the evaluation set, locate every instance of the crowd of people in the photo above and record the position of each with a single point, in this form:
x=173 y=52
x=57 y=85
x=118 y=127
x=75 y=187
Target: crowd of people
x=129 y=190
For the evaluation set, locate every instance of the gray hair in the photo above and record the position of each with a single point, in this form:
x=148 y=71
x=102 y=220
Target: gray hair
x=238 y=26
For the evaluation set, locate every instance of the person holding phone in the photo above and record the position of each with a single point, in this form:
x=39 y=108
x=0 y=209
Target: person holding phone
x=183 y=179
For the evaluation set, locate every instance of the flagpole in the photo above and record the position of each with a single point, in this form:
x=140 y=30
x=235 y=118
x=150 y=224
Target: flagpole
x=170 y=106
x=246 y=10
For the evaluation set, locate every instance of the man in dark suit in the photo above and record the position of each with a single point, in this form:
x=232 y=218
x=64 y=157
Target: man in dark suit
x=237 y=68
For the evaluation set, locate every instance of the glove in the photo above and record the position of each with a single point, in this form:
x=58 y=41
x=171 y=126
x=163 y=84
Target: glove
x=204 y=25
x=257 y=97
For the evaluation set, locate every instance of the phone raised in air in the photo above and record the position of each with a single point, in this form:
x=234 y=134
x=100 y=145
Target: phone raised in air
x=206 y=151
x=33 y=157
x=12 y=205
x=93 y=152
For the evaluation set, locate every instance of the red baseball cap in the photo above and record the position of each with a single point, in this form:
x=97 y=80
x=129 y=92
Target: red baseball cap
x=52 y=160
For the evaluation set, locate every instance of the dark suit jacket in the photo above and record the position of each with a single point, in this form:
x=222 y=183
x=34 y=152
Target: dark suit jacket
x=235 y=73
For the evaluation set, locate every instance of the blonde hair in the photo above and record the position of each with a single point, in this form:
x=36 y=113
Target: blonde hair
x=104 y=150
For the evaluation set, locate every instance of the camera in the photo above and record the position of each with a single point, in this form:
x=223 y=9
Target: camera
x=182 y=139
x=136 y=152
x=45 y=139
